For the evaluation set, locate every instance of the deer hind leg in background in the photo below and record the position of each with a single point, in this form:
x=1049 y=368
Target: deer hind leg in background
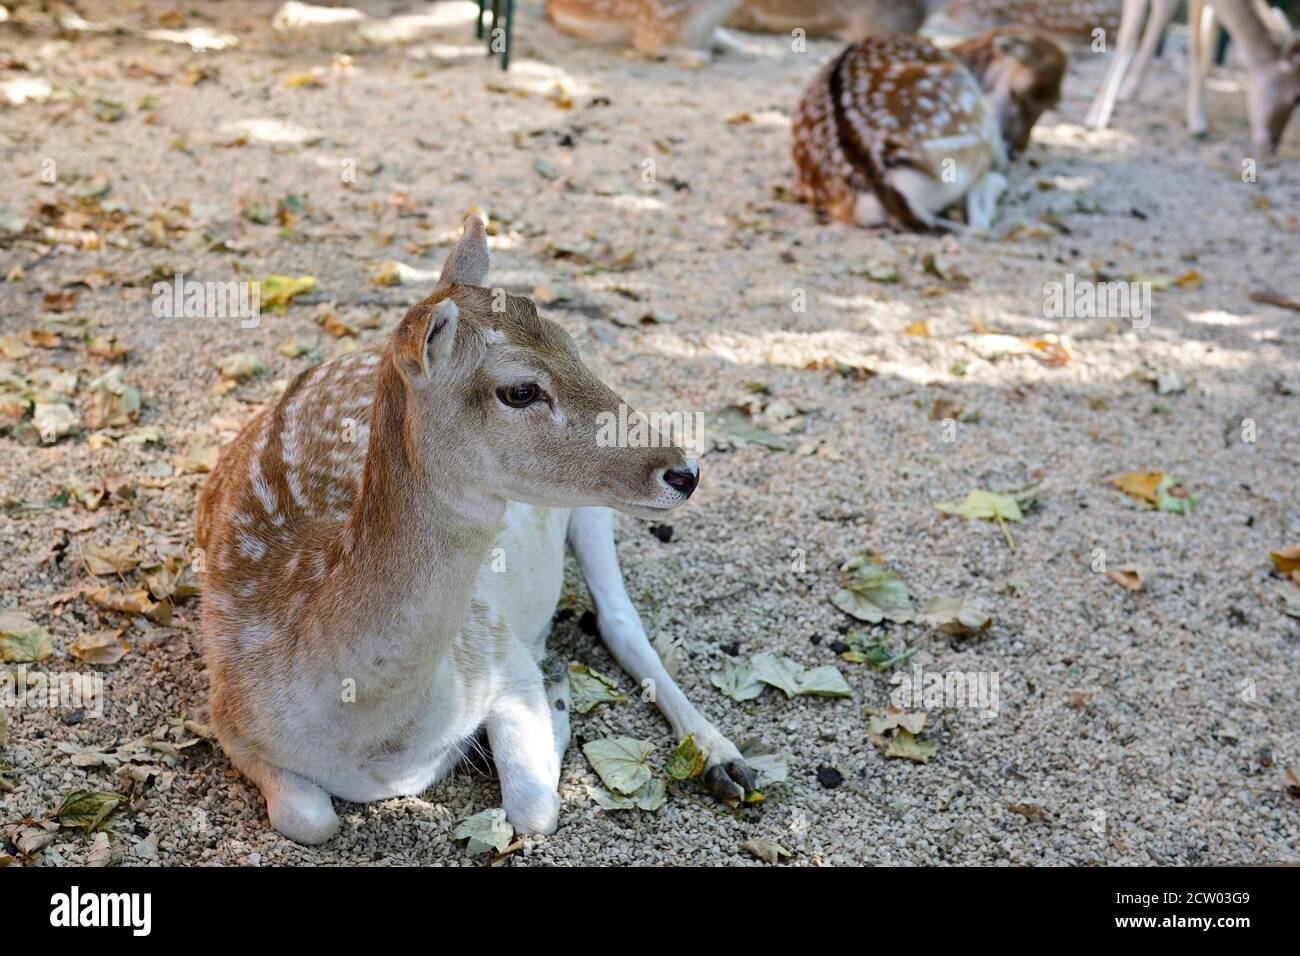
x=1131 y=20
x=1157 y=22
x=591 y=535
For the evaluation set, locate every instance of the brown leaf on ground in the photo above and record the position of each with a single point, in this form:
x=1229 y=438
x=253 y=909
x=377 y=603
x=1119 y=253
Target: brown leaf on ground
x=133 y=602
x=111 y=559
x=200 y=458
x=101 y=647
x=1131 y=577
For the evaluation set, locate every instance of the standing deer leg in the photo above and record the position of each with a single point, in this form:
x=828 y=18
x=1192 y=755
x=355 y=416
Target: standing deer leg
x=1200 y=36
x=1161 y=11
x=1130 y=26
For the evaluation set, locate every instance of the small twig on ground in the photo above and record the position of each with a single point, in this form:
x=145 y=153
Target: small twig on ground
x=1269 y=297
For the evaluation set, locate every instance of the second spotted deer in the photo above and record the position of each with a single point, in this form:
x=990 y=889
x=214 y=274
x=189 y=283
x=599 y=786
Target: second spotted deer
x=894 y=131
x=681 y=27
x=1076 y=21
x=846 y=19
x=371 y=605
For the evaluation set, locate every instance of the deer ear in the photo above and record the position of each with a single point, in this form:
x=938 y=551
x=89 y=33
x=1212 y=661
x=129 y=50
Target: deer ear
x=426 y=336
x=467 y=263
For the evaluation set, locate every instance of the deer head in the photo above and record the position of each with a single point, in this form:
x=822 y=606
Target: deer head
x=1272 y=95
x=493 y=398
x=1020 y=71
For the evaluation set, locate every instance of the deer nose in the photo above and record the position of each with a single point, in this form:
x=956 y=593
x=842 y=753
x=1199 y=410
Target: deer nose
x=683 y=479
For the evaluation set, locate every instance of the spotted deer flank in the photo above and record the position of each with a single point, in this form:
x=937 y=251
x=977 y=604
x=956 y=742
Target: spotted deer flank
x=651 y=26
x=892 y=132
x=847 y=19
x=384 y=552
x=1072 y=20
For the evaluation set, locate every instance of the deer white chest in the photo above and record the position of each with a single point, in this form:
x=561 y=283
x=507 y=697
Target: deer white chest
x=410 y=739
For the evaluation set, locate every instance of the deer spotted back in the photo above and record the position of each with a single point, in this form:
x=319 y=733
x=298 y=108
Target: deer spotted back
x=887 y=103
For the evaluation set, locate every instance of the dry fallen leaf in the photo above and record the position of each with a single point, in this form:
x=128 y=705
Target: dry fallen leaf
x=22 y=640
x=1156 y=488
x=1129 y=576
x=1287 y=561
x=1293 y=781
x=1141 y=485
x=891 y=718
x=200 y=458
x=133 y=602
x=955 y=616
x=111 y=402
x=768 y=851
x=101 y=851
x=111 y=559
x=276 y=292
x=239 y=366
x=904 y=744
x=102 y=647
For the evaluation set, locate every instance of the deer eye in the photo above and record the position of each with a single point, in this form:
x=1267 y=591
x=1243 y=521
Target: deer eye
x=519 y=395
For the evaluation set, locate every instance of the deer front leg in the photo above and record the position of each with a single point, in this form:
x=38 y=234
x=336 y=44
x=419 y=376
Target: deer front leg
x=1161 y=11
x=297 y=808
x=591 y=534
x=982 y=201
x=524 y=747
x=1131 y=19
x=1200 y=38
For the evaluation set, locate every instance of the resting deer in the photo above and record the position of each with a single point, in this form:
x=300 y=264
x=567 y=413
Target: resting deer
x=650 y=26
x=894 y=130
x=369 y=606
x=847 y=19
x=1270 y=57
x=1071 y=20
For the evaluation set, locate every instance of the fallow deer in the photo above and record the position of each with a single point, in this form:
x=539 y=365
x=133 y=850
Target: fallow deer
x=894 y=130
x=1069 y=20
x=1270 y=56
x=650 y=26
x=370 y=605
x=847 y=19
x=1020 y=71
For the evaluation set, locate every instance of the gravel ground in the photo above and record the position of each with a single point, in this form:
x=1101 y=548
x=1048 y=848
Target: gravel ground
x=1150 y=727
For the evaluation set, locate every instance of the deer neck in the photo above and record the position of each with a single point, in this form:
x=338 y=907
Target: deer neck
x=418 y=532
x=1249 y=31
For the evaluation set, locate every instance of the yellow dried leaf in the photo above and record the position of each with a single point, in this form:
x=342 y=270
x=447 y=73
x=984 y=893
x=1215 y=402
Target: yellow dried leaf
x=1141 y=485
x=1286 y=561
